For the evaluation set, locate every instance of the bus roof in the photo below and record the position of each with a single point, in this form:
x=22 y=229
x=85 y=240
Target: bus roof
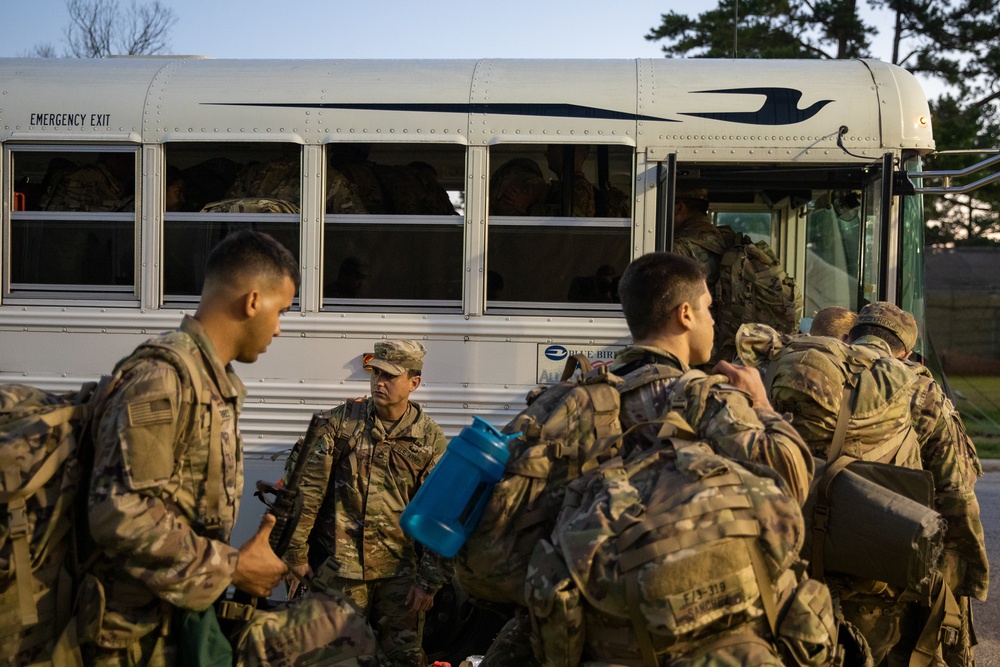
x=663 y=103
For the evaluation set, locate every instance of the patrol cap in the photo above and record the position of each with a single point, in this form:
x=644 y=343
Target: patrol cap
x=692 y=194
x=397 y=356
x=893 y=318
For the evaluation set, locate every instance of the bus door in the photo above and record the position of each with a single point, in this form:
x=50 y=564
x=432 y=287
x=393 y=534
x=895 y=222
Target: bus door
x=826 y=223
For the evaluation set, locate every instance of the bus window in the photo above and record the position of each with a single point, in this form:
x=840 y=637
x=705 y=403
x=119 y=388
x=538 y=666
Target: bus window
x=393 y=230
x=833 y=246
x=212 y=189
x=559 y=231
x=73 y=226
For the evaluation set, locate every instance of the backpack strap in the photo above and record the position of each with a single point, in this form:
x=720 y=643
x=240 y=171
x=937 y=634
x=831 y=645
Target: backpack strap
x=821 y=513
x=943 y=627
x=572 y=362
x=192 y=394
x=350 y=428
x=847 y=400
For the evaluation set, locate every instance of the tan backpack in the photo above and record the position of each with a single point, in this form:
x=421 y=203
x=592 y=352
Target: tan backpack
x=46 y=458
x=677 y=555
x=567 y=429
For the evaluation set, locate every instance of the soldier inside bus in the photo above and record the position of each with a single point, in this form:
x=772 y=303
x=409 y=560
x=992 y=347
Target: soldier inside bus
x=105 y=185
x=518 y=187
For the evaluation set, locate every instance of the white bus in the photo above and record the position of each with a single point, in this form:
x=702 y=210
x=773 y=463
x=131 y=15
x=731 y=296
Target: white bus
x=382 y=177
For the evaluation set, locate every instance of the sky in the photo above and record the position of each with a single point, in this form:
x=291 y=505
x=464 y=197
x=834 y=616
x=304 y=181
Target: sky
x=378 y=28
x=385 y=28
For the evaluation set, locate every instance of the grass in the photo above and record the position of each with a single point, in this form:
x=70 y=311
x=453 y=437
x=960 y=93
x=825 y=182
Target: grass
x=978 y=399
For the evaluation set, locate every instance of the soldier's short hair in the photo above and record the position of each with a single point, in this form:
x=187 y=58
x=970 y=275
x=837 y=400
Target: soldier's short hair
x=833 y=321
x=250 y=253
x=653 y=285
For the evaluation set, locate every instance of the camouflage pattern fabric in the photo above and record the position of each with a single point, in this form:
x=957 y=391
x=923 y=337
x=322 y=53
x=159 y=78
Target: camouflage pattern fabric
x=721 y=414
x=90 y=187
x=277 y=179
x=517 y=187
x=355 y=487
x=676 y=549
x=900 y=396
x=251 y=205
x=341 y=197
x=582 y=201
x=149 y=514
x=566 y=429
x=806 y=376
x=747 y=282
x=41 y=435
x=317 y=629
x=398 y=629
x=512 y=645
x=363 y=179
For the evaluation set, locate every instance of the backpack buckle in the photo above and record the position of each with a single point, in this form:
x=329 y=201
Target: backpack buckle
x=18 y=522
x=948 y=635
x=821 y=517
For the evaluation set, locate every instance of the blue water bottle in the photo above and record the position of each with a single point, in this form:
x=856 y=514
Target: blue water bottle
x=451 y=500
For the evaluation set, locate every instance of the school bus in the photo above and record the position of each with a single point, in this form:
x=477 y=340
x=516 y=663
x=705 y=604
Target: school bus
x=484 y=207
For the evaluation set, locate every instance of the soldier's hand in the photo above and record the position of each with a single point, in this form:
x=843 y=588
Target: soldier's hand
x=418 y=600
x=258 y=569
x=747 y=379
x=296 y=579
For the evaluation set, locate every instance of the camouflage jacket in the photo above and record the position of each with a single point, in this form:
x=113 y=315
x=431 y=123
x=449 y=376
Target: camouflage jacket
x=724 y=416
x=944 y=449
x=947 y=451
x=149 y=495
x=355 y=487
x=702 y=241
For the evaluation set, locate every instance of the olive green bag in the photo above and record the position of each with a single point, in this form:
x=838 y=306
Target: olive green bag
x=201 y=642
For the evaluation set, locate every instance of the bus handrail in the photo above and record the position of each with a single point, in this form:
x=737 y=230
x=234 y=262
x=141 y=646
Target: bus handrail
x=948 y=174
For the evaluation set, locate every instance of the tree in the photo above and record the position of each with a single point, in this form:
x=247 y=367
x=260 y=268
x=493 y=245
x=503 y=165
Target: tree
x=100 y=28
x=954 y=41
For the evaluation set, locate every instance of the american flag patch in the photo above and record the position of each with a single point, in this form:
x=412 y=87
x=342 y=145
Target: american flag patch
x=157 y=411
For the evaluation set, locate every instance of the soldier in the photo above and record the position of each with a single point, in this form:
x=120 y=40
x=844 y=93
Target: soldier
x=364 y=467
x=950 y=455
x=517 y=188
x=667 y=307
x=936 y=441
x=835 y=322
x=694 y=234
x=167 y=481
x=582 y=198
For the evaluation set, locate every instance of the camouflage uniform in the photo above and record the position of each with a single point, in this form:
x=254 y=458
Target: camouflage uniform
x=943 y=448
x=583 y=198
x=90 y=187
x=702 y=241
x=359 y=478
x=568 y=612
x=517 y=187
x=280 y=180
x=158 y=445
x=722 y=415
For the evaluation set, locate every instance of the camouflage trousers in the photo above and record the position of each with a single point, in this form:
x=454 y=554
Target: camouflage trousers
x=317 y=629
x=398 y=629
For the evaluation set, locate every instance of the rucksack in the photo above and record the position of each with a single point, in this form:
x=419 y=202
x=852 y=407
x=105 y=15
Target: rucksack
x=677 y=555
x=752 y=287
x=46 y=456
x=811 y=377
x=567 y=429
